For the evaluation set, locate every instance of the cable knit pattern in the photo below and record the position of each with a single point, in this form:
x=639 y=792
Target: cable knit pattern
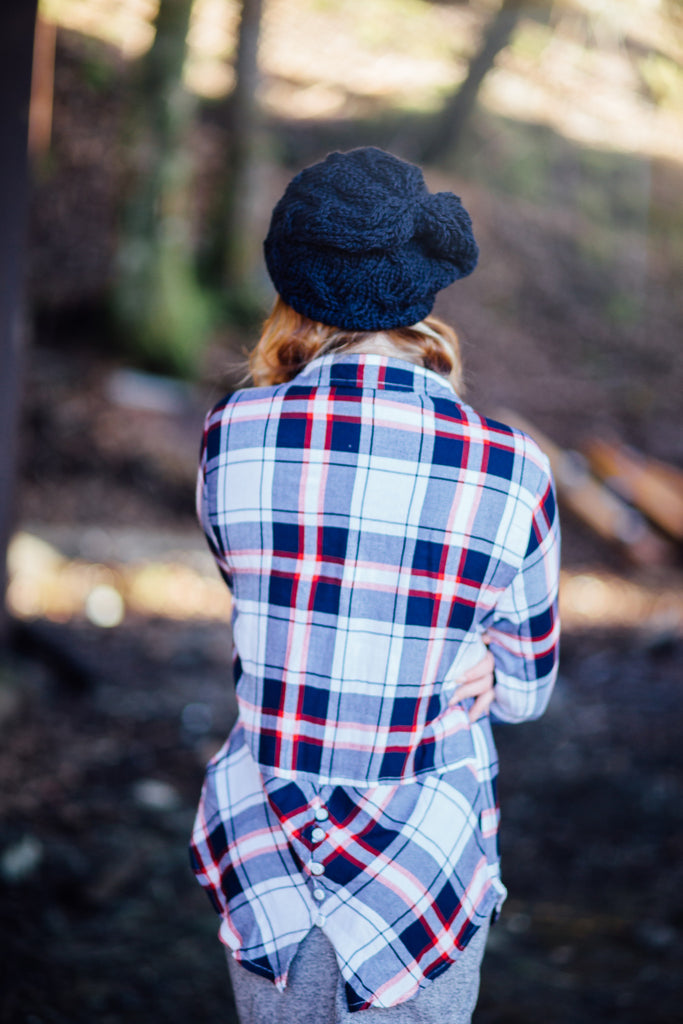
x=357 y=241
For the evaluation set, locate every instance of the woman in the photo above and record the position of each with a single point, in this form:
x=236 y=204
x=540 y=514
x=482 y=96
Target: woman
x=378 y=536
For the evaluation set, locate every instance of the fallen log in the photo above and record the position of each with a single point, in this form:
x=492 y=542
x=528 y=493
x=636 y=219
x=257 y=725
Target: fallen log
x=654 y=487
x=605 y=512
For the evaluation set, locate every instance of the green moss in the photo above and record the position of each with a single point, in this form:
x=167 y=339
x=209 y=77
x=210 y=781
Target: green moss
x=624 y=309
x=530 y=40
x=663 y=79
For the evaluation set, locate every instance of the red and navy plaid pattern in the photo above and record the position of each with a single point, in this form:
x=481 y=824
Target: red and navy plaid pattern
x=371 y=528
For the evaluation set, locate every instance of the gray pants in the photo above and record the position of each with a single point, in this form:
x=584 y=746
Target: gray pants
x=315 y=991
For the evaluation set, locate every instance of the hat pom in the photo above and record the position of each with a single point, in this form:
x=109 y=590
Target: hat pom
x=444 y=228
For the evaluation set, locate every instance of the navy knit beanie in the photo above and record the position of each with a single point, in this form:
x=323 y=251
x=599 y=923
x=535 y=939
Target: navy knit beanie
x=358 y=242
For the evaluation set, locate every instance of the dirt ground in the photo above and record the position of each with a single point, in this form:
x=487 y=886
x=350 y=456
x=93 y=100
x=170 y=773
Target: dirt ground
x=104 y=732
x=102 y=920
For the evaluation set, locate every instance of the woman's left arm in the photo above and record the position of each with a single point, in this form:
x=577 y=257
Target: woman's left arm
x=524 y=634
x=515 y=678
x=477 y=682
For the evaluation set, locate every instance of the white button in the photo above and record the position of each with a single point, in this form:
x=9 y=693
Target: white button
x=321 y=814
x=317 y=835
x=320 y=920
x=316 y=868
x=319 y=895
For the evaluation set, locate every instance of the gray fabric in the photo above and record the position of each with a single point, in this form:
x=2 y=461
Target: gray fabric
x=315 y=991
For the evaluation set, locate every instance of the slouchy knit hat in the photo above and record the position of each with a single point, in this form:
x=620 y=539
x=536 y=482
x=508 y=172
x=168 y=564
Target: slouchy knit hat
x=357 y=241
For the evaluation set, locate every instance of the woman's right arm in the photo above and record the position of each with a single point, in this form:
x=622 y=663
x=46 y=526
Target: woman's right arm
x=205 y=493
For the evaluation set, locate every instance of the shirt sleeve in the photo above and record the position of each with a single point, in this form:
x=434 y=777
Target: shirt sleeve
x=524 y=632
x=205 y=493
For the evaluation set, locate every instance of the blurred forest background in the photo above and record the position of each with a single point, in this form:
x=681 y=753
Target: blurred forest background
x=159 y=138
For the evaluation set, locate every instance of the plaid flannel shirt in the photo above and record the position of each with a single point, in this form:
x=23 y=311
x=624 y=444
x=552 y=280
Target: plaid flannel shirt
x=371 y=528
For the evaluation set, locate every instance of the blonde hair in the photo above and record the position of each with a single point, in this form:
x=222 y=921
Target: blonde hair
x=290 y=340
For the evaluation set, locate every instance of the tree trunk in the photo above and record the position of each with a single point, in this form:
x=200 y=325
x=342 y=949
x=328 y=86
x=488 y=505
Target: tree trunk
x=451 y=121
x=42 y=89
x=241 y=250
x=157 y=294
x=17 y=24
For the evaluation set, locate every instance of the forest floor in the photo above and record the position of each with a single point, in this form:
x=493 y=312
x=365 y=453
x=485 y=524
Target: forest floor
x=102 y=921
x=104 y=733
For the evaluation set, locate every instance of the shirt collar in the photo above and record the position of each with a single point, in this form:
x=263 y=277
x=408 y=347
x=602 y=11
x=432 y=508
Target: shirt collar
x=370 y=370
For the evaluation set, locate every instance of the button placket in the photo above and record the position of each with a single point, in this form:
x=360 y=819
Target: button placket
x=316 y=868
